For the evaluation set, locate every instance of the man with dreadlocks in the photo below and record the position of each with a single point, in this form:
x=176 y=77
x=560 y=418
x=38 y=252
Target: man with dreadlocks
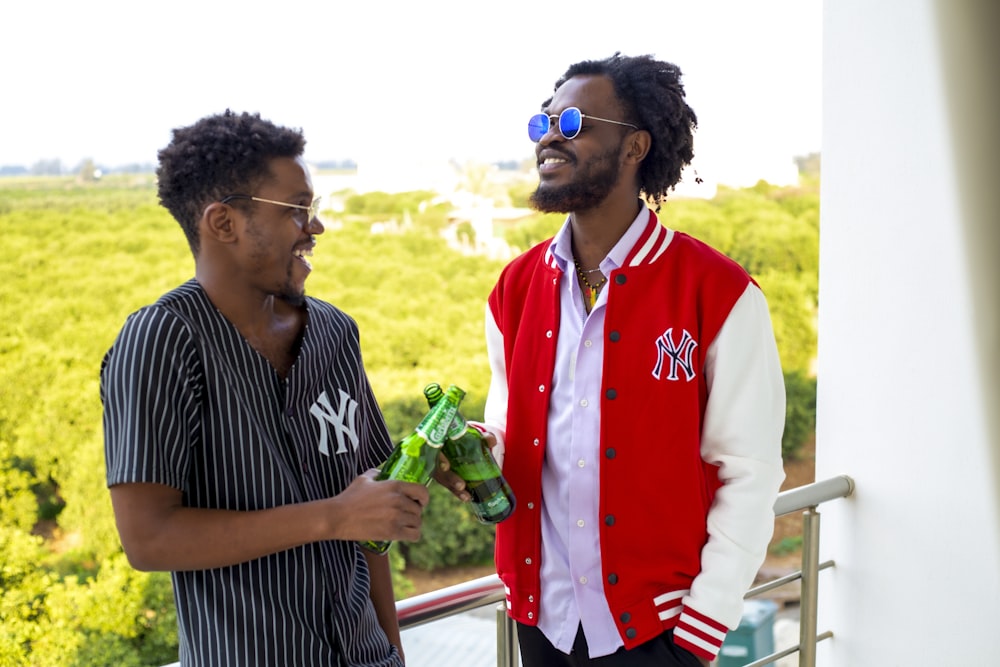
x=637 y=396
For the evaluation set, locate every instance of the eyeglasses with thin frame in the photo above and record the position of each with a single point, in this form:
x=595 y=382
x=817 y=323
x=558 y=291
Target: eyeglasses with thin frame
x=569 y=122
x=312 y=209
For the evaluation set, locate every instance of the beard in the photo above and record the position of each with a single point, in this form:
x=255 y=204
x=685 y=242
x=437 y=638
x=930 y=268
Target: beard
x=590 y=188
x=263 y=256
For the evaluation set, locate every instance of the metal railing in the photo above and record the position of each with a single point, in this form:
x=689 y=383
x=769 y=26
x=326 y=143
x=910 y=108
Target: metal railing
x=476 y=593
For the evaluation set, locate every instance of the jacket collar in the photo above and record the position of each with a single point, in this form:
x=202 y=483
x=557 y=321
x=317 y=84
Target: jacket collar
x=643 y=242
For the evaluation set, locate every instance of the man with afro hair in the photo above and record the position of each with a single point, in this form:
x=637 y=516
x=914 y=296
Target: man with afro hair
x=241 y=432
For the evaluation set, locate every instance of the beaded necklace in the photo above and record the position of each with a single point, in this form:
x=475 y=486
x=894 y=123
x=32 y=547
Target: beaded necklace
x=589 y=291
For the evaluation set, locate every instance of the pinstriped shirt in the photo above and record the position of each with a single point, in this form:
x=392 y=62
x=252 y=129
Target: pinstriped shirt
x=190 y=404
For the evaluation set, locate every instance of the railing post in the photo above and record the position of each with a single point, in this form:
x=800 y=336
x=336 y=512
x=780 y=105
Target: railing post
x=507 y=651
x=809 y=598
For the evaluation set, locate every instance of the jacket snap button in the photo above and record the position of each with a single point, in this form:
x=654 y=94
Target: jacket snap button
x=609 y=520
x=612 y=578
x=614 y=336
x=626 y=617
x=630 y=633
x=620 y=279
x=611 y=394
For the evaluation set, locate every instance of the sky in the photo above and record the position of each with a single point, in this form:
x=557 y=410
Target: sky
x=389 y=80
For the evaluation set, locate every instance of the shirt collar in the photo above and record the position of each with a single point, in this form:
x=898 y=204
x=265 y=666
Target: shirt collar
x=562 y=248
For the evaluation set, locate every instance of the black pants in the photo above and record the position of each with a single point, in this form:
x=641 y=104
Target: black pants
x=537 y=651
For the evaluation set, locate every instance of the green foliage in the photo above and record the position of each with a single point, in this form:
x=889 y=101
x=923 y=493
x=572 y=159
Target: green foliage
x=535 y=229
x=800 y=412
x=18 y=504
x=380 y=204
x=450 y=535
x=787 y=545
x=520 y=192
x=81 y=256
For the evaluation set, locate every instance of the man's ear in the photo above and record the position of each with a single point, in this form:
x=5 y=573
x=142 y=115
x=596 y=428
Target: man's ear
x=637 y=146
x=218 y=223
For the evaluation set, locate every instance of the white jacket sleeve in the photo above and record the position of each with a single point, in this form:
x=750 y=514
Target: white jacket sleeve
x=495 y=412
x=744 y=421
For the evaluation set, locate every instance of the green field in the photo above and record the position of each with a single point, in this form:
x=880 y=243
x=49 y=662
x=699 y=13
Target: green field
x=79 y=257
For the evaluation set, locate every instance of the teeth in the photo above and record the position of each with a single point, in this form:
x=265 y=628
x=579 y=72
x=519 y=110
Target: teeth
x=553 y=160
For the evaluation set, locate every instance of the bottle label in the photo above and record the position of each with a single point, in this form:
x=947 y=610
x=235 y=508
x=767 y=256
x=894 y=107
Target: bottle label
x=435 y=431
x=497 y=501
x=458 y=426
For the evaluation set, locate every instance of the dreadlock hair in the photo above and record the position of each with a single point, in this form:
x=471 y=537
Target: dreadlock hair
x=219 y=155
x=652 y=97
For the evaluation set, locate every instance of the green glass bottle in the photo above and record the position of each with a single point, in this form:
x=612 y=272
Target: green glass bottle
x=416 y=455
x=471 y=459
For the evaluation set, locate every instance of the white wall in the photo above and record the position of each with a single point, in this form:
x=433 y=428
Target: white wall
x=909 y=293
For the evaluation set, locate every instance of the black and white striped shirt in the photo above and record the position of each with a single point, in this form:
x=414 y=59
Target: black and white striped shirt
x=189 y=403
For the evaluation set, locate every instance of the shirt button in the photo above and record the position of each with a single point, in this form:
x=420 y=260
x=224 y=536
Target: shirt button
x=527 y=561
x=290 y=412
x=531 y=506
x=584 y=403
x=583 y=580
x=581 y=463
x=580 y=523
x=588 y=343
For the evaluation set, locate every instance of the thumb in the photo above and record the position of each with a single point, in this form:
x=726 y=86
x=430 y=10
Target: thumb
x=371 y=473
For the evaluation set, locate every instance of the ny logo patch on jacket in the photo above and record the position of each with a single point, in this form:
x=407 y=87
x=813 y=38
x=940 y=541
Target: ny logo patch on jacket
x=674 y=355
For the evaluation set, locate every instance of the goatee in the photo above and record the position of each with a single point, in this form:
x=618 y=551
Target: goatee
x=590 y=188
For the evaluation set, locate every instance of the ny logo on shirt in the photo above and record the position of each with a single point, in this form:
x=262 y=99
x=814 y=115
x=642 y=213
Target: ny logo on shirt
x=343 y=421
x=678 y=355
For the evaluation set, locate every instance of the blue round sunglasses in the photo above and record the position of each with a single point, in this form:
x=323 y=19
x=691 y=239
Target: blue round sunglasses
x=570 y=122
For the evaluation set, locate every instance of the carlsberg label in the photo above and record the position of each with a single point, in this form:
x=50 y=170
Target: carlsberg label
x=437 y=430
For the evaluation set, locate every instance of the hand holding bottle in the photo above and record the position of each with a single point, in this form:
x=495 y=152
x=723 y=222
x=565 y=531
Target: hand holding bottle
x=415 y=458
x=378 y=510
x=468 y=450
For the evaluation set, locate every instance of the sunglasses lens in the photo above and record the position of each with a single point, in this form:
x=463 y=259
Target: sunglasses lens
x=538 y=125
x=570 y=122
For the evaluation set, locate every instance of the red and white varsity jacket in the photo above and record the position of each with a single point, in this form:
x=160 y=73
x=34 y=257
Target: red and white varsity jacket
x=685 y=519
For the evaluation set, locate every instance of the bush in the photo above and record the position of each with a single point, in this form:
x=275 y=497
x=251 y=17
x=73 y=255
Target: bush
x=419 y=306
x=450 y=535
x=800 y=413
